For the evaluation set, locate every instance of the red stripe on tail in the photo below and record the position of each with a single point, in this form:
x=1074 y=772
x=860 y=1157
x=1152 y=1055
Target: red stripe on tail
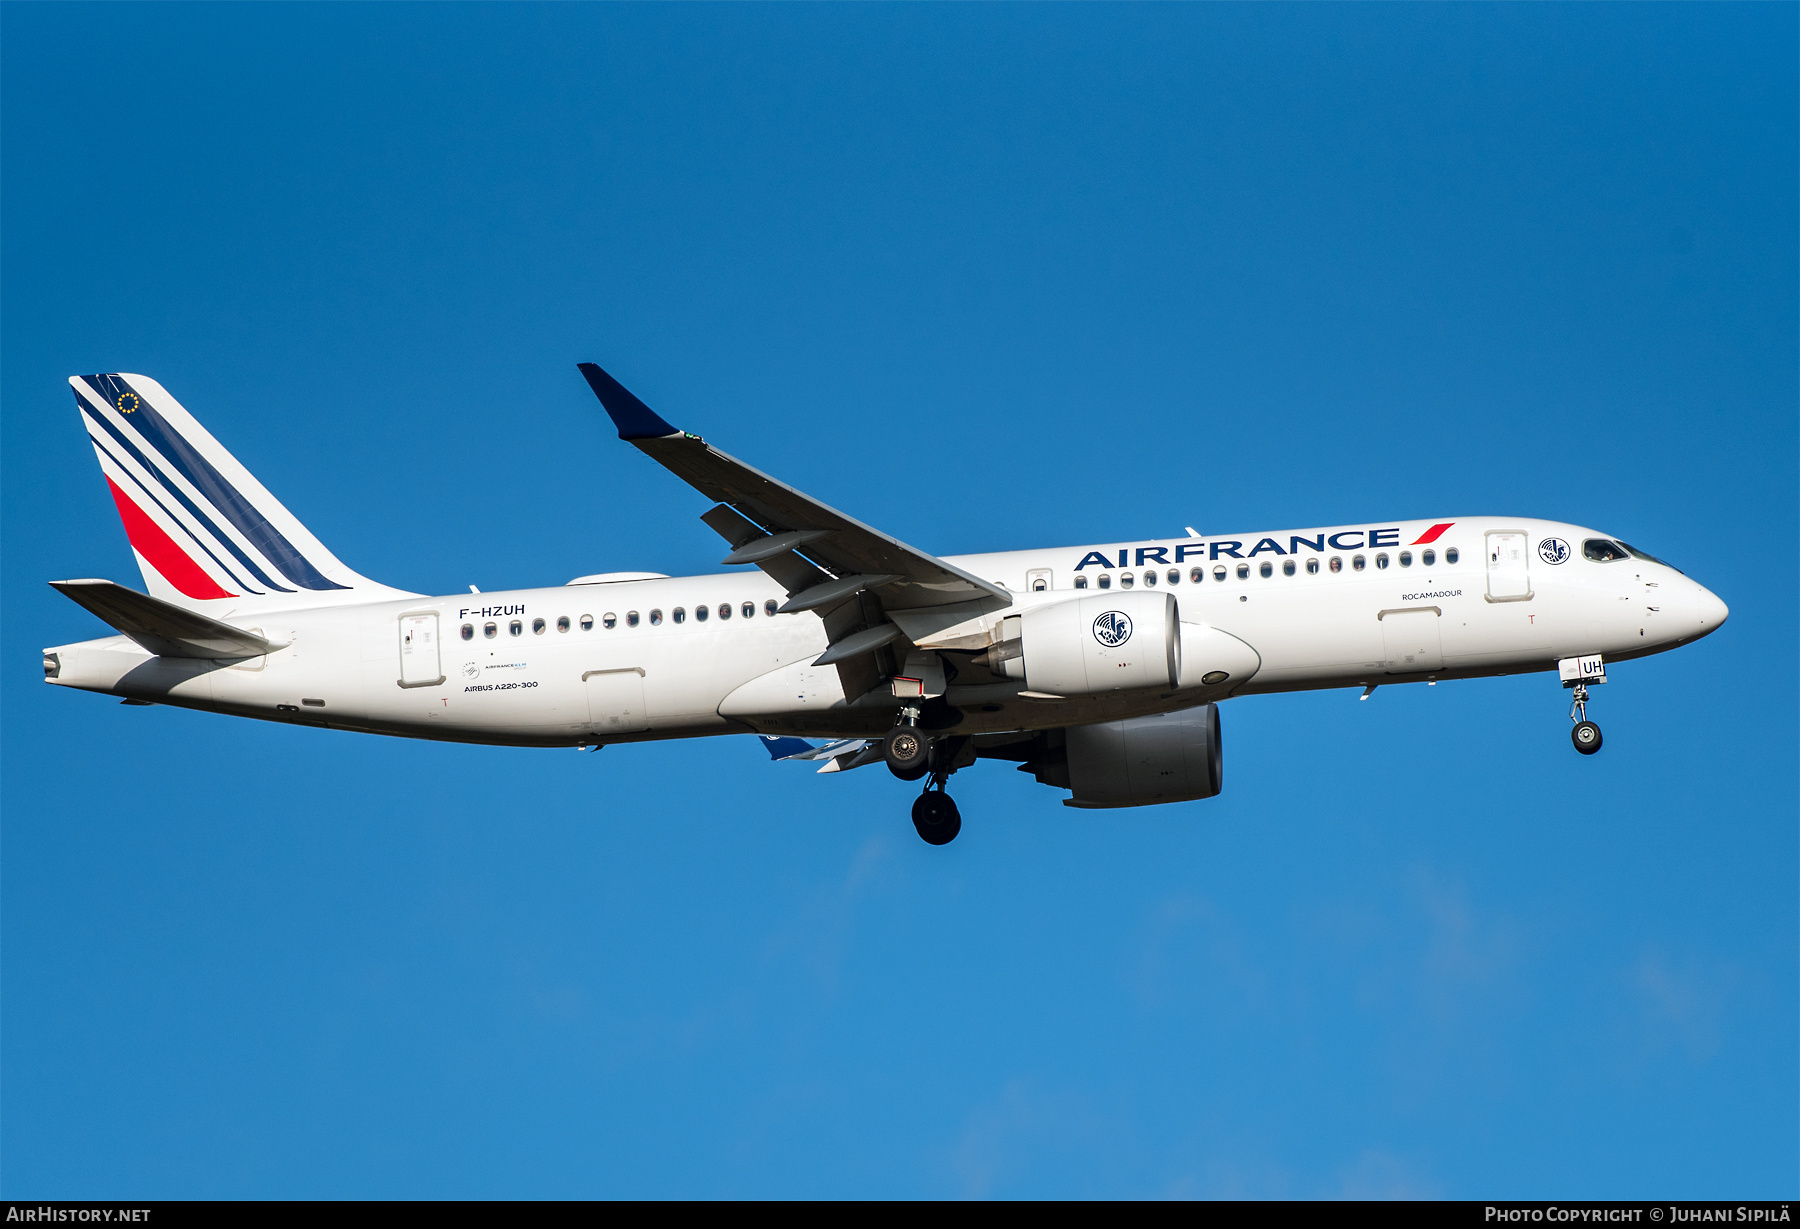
x=148 y=539
x=1433 y=534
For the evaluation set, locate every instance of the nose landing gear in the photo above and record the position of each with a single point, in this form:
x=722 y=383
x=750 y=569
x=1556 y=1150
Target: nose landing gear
x=1577 y=673
x=1585 y=735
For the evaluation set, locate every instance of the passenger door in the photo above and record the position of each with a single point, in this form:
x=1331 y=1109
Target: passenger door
x=419 y=664
x=1507 y=560
x=615 y=701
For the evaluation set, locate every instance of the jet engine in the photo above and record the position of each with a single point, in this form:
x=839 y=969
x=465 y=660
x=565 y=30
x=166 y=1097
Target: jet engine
x=1106 y=642
x=1171 y=757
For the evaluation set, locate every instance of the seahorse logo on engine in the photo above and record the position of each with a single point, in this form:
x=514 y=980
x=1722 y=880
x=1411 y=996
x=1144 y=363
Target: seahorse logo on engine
x=1113 y=628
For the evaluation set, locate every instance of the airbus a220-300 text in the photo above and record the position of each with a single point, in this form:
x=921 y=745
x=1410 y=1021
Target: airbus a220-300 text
x=1096 y=668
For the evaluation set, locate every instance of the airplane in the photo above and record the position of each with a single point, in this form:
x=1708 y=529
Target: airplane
x=1098 y=669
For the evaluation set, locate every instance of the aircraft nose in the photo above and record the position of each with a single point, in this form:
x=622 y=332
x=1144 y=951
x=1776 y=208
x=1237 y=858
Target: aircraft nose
x=1713 y=612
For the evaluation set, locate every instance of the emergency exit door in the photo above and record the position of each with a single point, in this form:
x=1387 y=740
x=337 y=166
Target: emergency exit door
x=1411 y=642
x=419 y=665
x=1507 y=578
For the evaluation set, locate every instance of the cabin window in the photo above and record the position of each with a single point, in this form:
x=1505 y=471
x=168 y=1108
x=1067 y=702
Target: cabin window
x=1219 y=572
x=490 y=630
x=679 y=614
x=655 y=618
x=1150 y=579
x=1287 y=567
x=1196 y=575
x=701 y=614
x=1337 y=564
x=1602 y=551
x=1174 y=576
x=1106 y=580
x=1243 y=571
x=1126 y=580
x=1358 y=563
x=1312 y=567
x=1428 y=557
x=1267 y=569
x=1081 y=582
x=468 y=631
x=516 y=627
x=769 y=608
x=749 y=610
x=1381 y=560
x=609 y=620
x=631 y=618
x=1449 y=554
x=724 y=610
x=562 y=623
x=1406 y=559
x=538 y=626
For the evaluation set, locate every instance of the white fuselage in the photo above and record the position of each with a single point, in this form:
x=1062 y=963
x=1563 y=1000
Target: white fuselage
x=611 y=662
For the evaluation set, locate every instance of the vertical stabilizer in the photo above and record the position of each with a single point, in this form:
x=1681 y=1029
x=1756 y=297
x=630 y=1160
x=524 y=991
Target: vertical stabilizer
x=207 y=534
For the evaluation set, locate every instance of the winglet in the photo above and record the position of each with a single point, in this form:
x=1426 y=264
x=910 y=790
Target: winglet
x=785 y=748
x=634 y=419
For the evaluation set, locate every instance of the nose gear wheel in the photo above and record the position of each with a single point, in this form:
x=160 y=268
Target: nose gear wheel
x=1585 y=735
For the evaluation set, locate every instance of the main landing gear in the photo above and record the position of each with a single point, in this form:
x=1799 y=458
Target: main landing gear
x=1585 y=735
x=911 y=753
x=935 y=815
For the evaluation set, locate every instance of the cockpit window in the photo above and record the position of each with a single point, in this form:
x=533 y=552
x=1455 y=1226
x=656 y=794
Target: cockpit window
x=1635 y=553
x=1602 y=551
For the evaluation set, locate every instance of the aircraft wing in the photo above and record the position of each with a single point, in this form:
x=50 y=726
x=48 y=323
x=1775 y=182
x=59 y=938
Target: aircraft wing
x=773 y=521
x=847 y=572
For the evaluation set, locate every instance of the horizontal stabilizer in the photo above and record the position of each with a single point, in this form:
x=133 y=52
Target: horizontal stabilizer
x=162 y=627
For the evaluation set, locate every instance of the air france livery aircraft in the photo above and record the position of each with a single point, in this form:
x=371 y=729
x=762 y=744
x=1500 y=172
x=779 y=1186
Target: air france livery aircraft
x=1098 y=669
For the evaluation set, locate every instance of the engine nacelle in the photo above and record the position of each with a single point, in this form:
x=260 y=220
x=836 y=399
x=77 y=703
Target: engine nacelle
x=1172 y=757
x=1107 y=642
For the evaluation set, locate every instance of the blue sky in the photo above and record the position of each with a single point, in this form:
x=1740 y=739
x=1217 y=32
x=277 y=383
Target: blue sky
x=989 y=277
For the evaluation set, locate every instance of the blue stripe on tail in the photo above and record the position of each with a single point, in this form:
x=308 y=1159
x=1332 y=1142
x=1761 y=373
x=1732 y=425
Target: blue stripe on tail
x=180 y=496
x=211 y=483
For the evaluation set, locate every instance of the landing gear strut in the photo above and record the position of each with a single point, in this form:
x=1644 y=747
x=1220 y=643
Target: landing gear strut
x=912 y=754
x=1585 y=735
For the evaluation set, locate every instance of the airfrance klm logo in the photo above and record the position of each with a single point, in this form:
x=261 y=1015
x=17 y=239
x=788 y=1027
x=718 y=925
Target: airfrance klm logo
x=1232 y=548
